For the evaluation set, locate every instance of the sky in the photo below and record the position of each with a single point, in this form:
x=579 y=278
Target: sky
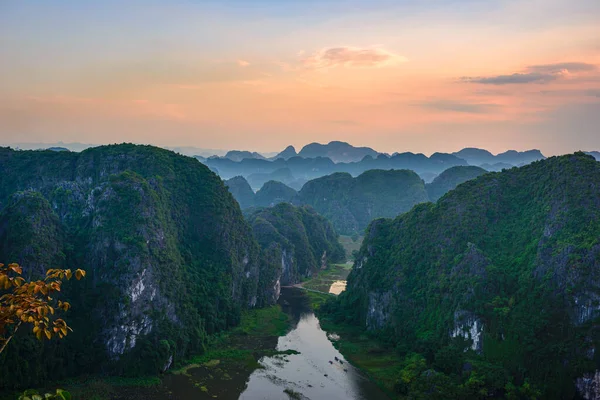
x=395 y=75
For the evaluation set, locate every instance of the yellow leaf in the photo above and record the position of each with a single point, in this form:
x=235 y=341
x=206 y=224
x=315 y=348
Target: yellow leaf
x=48 y=333
x=69 y=274
x=39 y=334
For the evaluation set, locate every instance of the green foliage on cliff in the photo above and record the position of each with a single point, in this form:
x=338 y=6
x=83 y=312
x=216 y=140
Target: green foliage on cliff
x=242 y=192
x=297 y=237
x=170 y=259
x=273 y=193
x=352 y=203
x=450 y=179
x=490 y=292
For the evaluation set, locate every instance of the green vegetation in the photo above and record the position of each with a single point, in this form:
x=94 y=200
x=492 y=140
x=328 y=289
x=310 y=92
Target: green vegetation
x=351 y=245
x=378 y=361
x=237 y=349
x=269 y=321
x=237 y=344
x=326 y=277
x=171 y=261
x=490 y=292
x=297 y=239
x=35 y=395
x=273 y=193
x=292 y=394
x=241 y=191
x=450 y=179
x=317 y=299
x=351 y=203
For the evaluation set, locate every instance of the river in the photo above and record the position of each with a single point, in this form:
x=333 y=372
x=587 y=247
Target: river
x=319 y=371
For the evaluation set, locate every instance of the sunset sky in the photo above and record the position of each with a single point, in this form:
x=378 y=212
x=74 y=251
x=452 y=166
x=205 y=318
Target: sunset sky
x=416 y=75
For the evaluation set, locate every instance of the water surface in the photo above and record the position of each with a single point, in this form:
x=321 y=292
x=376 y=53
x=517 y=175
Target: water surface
x=318 y=372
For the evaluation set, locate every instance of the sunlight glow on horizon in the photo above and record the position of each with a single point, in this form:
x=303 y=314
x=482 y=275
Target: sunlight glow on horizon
x=395 y=77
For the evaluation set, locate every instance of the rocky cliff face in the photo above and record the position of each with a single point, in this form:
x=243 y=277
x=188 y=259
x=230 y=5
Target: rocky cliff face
x=169 y=257
x=503 y=271
x=298 y=238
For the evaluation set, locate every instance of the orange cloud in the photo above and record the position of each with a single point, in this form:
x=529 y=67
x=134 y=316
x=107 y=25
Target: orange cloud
x=353 y=57
x=243 y=63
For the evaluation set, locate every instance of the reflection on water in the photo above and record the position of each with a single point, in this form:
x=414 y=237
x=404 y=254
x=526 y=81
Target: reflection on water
x=337 y=287
x=318 y=372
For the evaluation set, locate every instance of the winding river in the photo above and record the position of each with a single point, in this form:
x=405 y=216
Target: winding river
x=319 y=371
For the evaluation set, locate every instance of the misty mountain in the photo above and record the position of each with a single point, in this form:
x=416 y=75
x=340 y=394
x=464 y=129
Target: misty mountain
x=352 y=203
x=237 y=155
x=273 y=193
x=475 y=156
x=450 y=179
x=259 y=179
x=497 y=167
x=286 y=154
x=303 y=169
x=241 y=191
x=337 y=151
x=595 y=154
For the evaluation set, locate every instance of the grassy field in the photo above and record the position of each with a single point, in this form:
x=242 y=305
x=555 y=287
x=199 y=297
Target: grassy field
x=243 y=344
x=333 y=273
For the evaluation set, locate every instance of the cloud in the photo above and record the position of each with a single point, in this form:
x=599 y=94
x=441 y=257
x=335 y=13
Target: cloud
x=517 y=78
x=540 y=74
x=243 y=63
x=353 y=57
x=461 y=107
x=561 y=67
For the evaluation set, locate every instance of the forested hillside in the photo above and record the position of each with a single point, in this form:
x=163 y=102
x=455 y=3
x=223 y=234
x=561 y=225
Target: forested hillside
x=493 y=291
x=168 y=255
x=352 y=203
x=451 y=178
x=297 y=238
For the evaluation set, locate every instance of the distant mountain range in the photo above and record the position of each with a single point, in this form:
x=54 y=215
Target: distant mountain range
x=479 y=157
x=297 y=170
x=316 y=160
x=595 y=154
x=337 y=152
x=351 y=203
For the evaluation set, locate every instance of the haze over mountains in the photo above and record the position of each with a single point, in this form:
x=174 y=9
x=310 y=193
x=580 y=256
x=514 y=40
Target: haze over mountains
x=316 y=160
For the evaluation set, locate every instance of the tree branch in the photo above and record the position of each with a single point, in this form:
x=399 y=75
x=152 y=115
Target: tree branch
x=10 y=337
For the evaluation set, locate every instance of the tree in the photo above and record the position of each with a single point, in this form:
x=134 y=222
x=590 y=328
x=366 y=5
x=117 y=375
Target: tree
x=32 y=303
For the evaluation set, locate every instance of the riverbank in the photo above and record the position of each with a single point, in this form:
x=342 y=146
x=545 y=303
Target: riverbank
x=373 y=357
x=222 y=371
